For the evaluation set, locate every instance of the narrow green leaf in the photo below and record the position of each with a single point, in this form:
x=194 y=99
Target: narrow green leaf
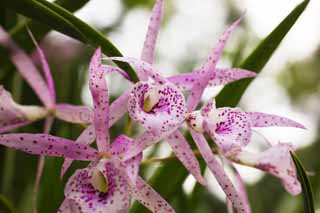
x=6 y=205
x=232 y=93
x=65 y=22
x=229 y=96
x=305 y=184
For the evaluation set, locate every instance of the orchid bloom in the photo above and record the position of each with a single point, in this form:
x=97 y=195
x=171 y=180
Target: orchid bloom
x=231 y=129
x=13 y=115
x=104 y=184
x=17 y=115
x=197 y=82
x=157 y=102
x=108 y=183
x=276 y=161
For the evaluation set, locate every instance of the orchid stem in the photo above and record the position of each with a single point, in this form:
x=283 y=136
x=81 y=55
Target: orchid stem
x=172 y=157
x=47 y=127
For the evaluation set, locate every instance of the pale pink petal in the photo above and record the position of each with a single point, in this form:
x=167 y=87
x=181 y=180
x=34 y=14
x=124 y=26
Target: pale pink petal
x=80 y=190
x=48 y=145
x=207 y=71
x=84 y=114
x=13 y=115
x=225 y=76
x=183 y=151
x=145 y=68
x=11 y=127
x=118 y=149
x=217 y=51
x=195 y=96
x=132 y=168
x=86 y=137
x=74 y=113
x=218 y=171
x=118 y=108
x=99 y=91
x=108 y=69
x=143 y=141
x=150 y=198
x=241 y=188
x=278 y=162
x=259 y=119
x=27 y=69
x=45 y=67
x=64 y=207
x=147 y=54
x=229 y=207
x=120 y=145
x=167 y=112
x=184 y=81
x=230 y=128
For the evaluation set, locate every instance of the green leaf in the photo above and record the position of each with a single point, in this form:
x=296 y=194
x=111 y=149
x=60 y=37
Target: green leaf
x=232 y=93
x=229 y=96
x=305 y=184
x=65 y=22
x=6 y=205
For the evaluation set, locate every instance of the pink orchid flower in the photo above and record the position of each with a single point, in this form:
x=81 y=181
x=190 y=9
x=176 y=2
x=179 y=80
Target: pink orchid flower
x=231 y=129
x=104 y=185
x=276 y=161
x=13 y=115
x=108 y=183
x=110 y=180
x=157 y=102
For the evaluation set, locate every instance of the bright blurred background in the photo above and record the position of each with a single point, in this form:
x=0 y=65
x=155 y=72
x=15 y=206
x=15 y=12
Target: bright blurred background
x=288 y=85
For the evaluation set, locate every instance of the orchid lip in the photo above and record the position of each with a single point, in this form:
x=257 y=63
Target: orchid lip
x=99 y=181
x=151 y=98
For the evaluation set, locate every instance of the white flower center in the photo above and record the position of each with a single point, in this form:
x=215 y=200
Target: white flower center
x=195 y=121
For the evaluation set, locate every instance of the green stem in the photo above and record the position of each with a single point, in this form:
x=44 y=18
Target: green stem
x=10 y=154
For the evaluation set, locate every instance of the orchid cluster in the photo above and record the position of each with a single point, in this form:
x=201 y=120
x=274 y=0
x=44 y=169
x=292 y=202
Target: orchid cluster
x=160 y=106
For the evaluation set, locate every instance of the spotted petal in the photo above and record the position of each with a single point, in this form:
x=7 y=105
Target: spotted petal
x=99 y=90
x=119 y=147
x=145 y=68
x=225 y=76
x=143 y=141
x=44 y=144
x=13 y=115
x=27 y=69
x=278 y=162
x=240 y=185
x=152 y=33
x=150 y=198
x=86 y=137
x=259 y=119
x=167 y=108
x=74 y=114
x=118 y=108
x=216 y=168
x=185 y=81
x=85 y=196
x=207 y=71
x=45 y=67
x=230 y=129
x=183 y=151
